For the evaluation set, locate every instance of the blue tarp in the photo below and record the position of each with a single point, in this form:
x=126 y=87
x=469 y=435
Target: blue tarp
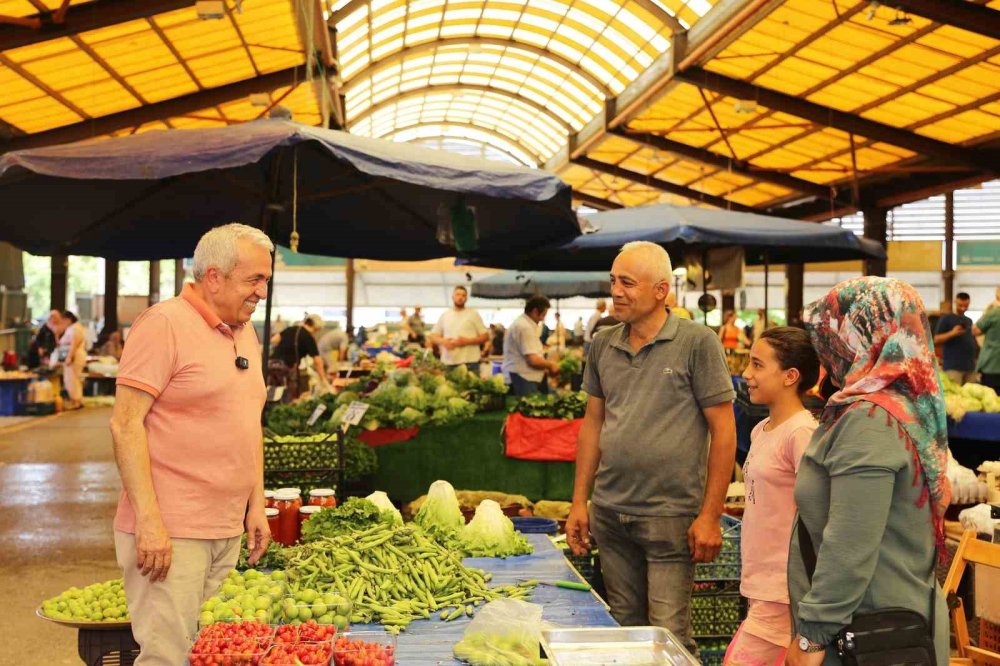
x=152 y=195
x=430 y=642
x=976 y=425
x=684 y=229
x=514 y=284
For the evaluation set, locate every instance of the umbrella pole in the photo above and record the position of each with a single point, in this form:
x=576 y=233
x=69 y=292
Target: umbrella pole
x=267 y=213
x=704 y=287
x=767 y=283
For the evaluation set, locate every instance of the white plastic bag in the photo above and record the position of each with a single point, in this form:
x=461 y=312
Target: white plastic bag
x=505 y=632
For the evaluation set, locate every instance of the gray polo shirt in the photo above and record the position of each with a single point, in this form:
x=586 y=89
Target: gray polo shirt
x=654 y=442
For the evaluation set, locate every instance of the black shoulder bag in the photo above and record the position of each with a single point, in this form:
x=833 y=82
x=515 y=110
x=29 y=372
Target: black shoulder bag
x=884 y=637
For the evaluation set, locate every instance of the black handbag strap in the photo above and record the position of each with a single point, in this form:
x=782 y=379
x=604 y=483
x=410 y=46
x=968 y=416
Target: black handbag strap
x=808 y=553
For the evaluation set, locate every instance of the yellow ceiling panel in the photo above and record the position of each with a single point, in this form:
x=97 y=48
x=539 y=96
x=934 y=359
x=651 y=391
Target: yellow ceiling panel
x=732 y=179
x=120 y=32
x=37 y=115
x=101 y=96
x=61 y=46
x=646 y=162
x=17 y=8
x=684 y=171
x=272 y=60
x=221 y=68
x=163 y=83
x=964 y=126
x=907 y=110
x=942 y=42
x=822 y=172
x=751 y=196
x=575 y=174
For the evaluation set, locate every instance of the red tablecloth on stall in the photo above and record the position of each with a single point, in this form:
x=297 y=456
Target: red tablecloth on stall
x=551 y=440
x=388 y=435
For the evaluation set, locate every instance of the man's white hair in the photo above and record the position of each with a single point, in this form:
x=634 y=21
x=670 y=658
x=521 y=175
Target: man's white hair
x=219 y=248
x=655 y=258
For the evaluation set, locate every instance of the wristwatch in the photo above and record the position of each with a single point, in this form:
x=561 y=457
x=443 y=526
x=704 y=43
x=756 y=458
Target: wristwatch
x=807 y=645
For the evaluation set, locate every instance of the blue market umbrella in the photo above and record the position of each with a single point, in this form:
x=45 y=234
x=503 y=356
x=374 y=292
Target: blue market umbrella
x=152 y=195
x=682 y=230
x=513 y=284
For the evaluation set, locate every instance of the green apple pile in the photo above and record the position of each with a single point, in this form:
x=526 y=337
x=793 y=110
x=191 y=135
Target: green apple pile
x=305 y=605
x=251 y=595
x=100 y=602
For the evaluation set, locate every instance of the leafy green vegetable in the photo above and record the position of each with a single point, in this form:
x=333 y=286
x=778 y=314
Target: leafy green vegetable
x=570 y=366
x=441 y=515
x=354 y=514
x=567 y=405
x=274 y=557
x=385 y=505
x=492 y=534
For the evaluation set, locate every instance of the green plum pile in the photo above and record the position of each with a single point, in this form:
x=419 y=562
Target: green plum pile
x=100 y=602
x=250 y=596
x=326 y=609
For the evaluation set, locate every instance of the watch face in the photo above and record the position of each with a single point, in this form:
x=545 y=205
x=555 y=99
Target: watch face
x=803 y=643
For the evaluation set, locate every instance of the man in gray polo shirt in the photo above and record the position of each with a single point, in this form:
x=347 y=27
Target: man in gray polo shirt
x=657 y=446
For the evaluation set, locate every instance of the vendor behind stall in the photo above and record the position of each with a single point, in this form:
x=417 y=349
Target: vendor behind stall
x=44 y=341
x=292 y=345
x=333 y=345
x=524 y=361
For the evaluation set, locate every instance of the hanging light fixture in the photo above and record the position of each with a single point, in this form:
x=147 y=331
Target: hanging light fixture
x=901 y=18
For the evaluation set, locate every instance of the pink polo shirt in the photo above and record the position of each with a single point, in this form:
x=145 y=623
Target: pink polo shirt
x=769 y=476
x=204 y=426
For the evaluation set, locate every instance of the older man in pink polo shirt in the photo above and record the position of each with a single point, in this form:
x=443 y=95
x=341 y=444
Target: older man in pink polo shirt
x=188 y=443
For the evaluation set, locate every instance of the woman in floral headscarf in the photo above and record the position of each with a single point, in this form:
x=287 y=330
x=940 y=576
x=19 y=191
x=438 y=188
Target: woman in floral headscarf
x=871 y=489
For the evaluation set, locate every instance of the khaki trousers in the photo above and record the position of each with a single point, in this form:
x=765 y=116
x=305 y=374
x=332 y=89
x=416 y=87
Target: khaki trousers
x=165 y=614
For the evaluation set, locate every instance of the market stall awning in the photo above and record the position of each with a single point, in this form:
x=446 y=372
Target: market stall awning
x=152 y=195
x=514 y=284
x=684 y=229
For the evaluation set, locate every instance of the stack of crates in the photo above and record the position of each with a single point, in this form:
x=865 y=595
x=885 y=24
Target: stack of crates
x=716 y=607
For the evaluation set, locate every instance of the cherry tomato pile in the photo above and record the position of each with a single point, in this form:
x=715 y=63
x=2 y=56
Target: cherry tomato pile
x=286 y=654
x=231 y=644
x=359 y=653
x=307 y=632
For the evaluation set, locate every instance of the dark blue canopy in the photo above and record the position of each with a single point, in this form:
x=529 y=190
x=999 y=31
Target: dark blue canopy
x=683 y=229
x=152 y=195
x=512 y=284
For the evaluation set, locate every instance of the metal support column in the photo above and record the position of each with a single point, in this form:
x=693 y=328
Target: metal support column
x=876 y=228
x=794 y=288
x=178 y=276
x=350 y=295
x=60 y=278
x=110 y=298
x=948 y=275
x=154 y=282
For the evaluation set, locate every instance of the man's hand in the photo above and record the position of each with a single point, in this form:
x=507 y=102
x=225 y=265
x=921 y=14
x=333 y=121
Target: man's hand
x=578 y=530
x=153 y=549
x=258 y=535
x=553 y=368
x=704 y=538
x=796 y=657
x=957 y=330
x=449 y=343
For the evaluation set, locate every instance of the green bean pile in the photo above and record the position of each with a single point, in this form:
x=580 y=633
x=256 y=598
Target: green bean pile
x=394 y=575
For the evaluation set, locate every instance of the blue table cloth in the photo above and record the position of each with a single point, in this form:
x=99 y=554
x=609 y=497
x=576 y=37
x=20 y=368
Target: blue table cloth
x=429 y=642
x=976 y=425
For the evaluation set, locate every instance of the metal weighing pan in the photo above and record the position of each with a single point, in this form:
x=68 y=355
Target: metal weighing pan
x=613 y=646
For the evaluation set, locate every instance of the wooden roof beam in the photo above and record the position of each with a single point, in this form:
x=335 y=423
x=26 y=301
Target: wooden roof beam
x=970 y=16
x=596 y=202
x=841 y=120
x=662 y=185
x=82 y=18
x=177 y=106
x=741 y=167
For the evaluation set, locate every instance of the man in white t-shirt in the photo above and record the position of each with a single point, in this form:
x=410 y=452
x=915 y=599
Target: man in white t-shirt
x=524 y=361
x=602 y=307
x=459 y=333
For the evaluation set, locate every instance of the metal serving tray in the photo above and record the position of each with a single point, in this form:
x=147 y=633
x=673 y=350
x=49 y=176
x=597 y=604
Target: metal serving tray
x=631 y=646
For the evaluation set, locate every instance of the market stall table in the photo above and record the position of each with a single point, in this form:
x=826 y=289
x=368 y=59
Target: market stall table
x=975 y=439
x=11 y=389
x=469 y=455
x=430 y=642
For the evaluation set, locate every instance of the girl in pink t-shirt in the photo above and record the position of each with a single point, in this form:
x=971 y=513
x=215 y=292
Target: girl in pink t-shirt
x=783 y=367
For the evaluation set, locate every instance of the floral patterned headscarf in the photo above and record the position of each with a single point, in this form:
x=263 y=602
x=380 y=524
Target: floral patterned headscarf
x=873 y=337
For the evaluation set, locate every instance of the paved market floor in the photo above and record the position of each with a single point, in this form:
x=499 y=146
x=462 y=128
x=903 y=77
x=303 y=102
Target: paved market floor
x=59 y=490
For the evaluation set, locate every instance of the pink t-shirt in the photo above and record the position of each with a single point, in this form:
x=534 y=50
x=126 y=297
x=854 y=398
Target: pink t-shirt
x=204 y=426
x=769 y=475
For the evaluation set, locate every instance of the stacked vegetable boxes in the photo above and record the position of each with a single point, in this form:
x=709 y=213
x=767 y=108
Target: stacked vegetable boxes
x=303 y=461
x=716 y=607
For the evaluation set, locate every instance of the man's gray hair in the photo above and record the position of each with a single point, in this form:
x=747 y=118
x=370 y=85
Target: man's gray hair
x=219 y=247
x=656 y=259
